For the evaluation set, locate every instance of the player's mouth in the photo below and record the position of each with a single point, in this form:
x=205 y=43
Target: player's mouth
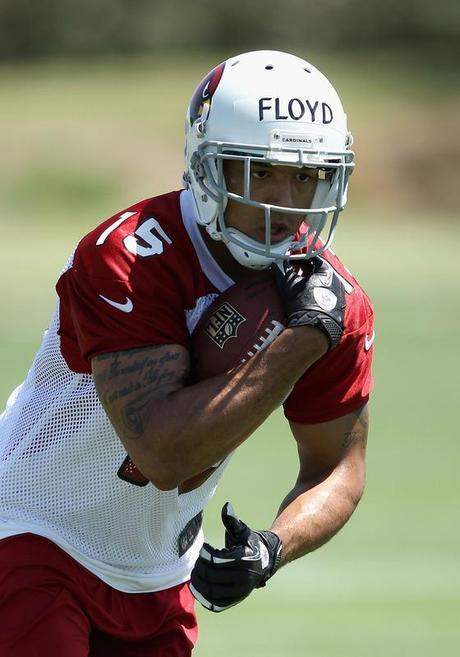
x=278 y=233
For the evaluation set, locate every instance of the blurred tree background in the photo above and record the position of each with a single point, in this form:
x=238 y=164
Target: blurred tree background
x=56 y=27
x=402 y=54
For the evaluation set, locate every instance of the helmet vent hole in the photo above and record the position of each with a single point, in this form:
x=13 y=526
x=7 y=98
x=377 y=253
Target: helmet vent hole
x=235 y=63
x=269 y=67
x=307 y=70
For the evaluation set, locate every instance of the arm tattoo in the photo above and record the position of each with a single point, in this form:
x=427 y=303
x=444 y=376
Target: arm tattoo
x=358 y=434
x=131 y=416
x=132 y=379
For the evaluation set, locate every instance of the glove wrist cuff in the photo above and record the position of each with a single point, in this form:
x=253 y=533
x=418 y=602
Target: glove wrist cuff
x=319 y=320
x=275 y=549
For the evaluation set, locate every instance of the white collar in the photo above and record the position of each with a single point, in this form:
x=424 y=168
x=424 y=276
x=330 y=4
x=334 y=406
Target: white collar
x=211 y=269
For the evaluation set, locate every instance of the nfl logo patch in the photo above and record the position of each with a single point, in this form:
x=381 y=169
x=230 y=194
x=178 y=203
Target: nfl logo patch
x=223 y=324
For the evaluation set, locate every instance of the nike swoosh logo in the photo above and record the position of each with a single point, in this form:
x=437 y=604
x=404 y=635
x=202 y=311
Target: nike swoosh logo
x=368 y=341
x=125 y=307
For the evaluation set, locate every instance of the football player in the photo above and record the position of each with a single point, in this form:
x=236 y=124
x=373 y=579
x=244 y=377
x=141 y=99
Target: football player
x=104 y=444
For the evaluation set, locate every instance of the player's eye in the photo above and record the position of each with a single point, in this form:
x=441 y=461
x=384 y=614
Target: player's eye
x=304 y=177
x=261 y=174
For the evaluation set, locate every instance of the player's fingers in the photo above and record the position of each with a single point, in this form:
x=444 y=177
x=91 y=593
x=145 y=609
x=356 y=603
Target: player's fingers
x=222 y=594
x=278 y=268
x=203 y=601
x=206 y=552
x=230 y=520
x=207 y=575
x=220 y=557
x=237 y=532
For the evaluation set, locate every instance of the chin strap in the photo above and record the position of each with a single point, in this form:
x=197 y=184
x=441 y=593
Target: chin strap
x=246 y=256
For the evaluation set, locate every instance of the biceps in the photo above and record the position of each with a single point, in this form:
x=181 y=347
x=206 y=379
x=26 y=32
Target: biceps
x=129 y=382
x=322 y=447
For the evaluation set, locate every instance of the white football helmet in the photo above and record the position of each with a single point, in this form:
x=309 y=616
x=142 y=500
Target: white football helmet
x=275 y=108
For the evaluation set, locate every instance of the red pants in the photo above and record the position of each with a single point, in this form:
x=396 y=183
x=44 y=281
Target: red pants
x=50 y=606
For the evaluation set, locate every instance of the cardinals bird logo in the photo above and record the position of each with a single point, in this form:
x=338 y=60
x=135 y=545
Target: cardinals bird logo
x=204 y=92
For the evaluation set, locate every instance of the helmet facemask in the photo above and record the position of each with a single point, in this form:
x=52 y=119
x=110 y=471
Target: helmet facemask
x=319 y=219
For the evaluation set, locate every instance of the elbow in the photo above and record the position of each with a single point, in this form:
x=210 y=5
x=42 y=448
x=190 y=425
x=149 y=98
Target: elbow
x=351 y=486
x=143 y=471
x=163 y=478
x=149 y=463
x=356 y=492
x=355 y=498
x=164 y=484
x=356 y=481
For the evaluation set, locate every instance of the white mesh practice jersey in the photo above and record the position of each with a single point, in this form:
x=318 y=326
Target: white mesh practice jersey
x=61 y=463
x=141 y=278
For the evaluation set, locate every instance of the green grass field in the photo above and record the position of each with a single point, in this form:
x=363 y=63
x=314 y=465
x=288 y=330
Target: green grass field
x=389 y=583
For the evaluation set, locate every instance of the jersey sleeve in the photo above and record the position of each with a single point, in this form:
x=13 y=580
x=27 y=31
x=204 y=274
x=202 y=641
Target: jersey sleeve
x=341 y=381
x=112 y=300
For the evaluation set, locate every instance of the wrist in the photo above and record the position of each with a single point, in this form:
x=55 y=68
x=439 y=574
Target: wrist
x=310 y=340
x=322 y=321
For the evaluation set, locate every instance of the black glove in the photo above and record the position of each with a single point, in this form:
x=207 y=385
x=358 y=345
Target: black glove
x=314 y=299
x=222 y=578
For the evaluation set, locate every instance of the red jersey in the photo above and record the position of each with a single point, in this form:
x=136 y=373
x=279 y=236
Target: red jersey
x=144 y=277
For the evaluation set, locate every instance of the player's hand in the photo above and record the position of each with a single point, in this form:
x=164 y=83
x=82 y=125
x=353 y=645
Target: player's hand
x=317 y=299
x=222 y=578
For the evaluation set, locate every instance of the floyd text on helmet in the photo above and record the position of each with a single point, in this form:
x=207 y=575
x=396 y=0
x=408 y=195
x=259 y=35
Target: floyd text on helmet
x=279 y=109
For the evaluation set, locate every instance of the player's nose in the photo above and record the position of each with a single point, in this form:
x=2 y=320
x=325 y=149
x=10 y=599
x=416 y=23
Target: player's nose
x=280 y=193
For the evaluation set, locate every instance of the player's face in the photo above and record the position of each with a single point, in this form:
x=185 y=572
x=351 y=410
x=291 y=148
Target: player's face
x=277 y=185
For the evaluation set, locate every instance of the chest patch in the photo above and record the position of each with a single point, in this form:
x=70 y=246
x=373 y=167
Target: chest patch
x=189 y=533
